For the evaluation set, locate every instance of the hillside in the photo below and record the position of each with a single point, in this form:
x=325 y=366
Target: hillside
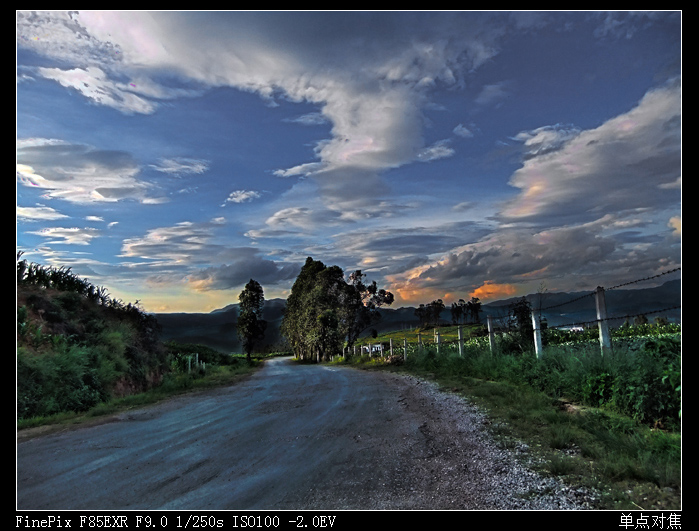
x=73 y=352
x=217 y=329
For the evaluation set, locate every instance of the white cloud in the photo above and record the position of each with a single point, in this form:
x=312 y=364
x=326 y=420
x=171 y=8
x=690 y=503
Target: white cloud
x=313 y=118
x=40 y=213
x=94 y=84
x=181 y=166
x=632 y=161
x=438 y=150
x=373 y=97
x=180 y=244
x=463 y=131
x=545 y=139
x=79 y=173
x=242 y=196
x=67 y=236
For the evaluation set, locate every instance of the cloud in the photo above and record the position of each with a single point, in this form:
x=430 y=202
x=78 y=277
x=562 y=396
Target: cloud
x=94 y=84
x=67 y=236
x=40 y=213
x=184 y=243
x=181 y=253
x=313 y=118
x=463 y=131
x=78 y=173
x=546 y=139
x=241 y=196
x=372 y=97
x=676 y=224
x=181 y=166
x=510 y=256
x=491 y=291
x=631 y=161
x=246 y=263
x=438 y=150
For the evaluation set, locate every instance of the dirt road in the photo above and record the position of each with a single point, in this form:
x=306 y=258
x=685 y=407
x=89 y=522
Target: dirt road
x=290 y=437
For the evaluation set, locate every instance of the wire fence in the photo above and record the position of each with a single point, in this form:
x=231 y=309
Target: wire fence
x=602 y=320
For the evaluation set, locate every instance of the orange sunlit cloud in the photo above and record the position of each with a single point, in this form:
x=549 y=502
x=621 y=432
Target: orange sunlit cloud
x=414 y=295
x=489 y=291
x=676 y=224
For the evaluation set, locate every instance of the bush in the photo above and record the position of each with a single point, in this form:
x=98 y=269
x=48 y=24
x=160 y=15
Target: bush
x=649 y=387
x=66 y=381
x=641 y=378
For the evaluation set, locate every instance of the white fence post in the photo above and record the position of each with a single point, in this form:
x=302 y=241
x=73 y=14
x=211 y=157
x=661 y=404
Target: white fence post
x=405 y=349
x=461 y=341
x=604 y=338
x=491 y=334
x=536 y=323
x=437 y=339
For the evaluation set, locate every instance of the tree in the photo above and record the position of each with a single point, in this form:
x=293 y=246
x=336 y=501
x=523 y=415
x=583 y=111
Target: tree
x=434 y=311
x=361 y=305
x=421 y=314
x=323 y=310
x=520 y=324
x=251 y=326
x=473 y=308
x=457 y=311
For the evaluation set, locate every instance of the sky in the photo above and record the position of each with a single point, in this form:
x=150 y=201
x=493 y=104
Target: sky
x=171 y=157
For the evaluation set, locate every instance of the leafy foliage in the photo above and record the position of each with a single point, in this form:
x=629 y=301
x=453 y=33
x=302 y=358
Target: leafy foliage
x=324 y=310
x=251 y=326
x=76 y=347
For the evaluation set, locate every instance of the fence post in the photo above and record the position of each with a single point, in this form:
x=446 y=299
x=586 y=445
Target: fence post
x=405 y=349
x=419 y=341
x=436 y=339
x=604 y=338
x=390 y=343
x=536 y=323
x=461 y=341
x=491 y=334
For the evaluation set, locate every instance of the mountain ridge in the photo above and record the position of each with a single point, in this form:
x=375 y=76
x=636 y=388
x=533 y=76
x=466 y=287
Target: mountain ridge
x=216 y=329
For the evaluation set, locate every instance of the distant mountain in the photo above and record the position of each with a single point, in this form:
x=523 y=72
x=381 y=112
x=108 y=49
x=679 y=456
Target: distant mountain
x=561 y=309
x=217 y=329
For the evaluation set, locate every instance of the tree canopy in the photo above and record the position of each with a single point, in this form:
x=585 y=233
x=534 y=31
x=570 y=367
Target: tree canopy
x=251 y=327
x=324 y=310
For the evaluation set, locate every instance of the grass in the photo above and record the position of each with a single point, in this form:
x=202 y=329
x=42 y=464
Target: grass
x=630 y=464
x=173 y=385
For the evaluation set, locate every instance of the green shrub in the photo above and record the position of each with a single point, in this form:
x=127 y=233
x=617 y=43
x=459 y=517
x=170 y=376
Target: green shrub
x=64 y=381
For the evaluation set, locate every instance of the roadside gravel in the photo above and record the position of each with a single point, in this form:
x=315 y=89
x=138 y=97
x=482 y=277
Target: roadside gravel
x=451 y=462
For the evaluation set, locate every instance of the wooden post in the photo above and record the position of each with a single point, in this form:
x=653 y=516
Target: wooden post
x=491 y=334
x=437 y=339
x=405 y=349
x=461 y=341
x=536 y=323
x=604 y=338
x=419 y=341
x=390 y=342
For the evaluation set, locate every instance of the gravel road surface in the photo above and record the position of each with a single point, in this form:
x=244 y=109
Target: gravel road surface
x=292 y=436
